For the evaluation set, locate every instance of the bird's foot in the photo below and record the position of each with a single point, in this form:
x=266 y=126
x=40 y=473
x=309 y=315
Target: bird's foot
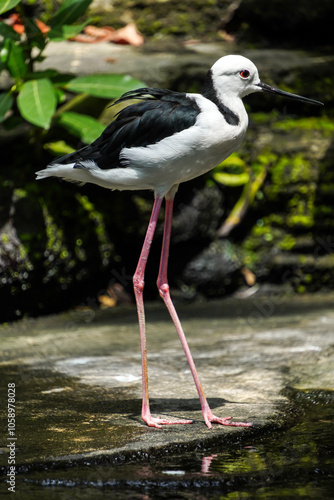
x=159 y=422
x=210 y=418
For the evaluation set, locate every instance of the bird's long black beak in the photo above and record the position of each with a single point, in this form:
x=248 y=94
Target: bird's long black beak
x=273 y=90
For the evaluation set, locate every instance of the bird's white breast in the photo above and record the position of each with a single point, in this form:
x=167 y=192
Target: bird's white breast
x=189 y=153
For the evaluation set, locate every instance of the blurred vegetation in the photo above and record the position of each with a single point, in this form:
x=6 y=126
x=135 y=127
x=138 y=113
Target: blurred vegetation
x=44 y=113
x=45 y=98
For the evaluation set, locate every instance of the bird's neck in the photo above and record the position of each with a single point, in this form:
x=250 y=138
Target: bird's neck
x=232 y=109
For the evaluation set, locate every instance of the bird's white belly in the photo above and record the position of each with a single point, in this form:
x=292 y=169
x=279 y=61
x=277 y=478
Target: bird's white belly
x=182 y=157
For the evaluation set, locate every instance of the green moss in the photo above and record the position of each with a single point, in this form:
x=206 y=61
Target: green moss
x=303 y=259
x=287 y=243
x=55 y=237
x=291 y=169
x=5 y=238
x=105 y=246
x=276 y=219
x=169 y=18
x=300 y=220
x=302 y=208
x=322 y=210
x=19 y=194
x=322 y=123
x=327 y=188
x=263 y=235
x=250 y=258
x=259 y=118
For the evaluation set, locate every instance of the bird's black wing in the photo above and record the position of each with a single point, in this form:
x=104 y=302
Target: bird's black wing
x=157 y=114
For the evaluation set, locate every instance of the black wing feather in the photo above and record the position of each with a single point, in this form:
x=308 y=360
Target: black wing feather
x=157 y=114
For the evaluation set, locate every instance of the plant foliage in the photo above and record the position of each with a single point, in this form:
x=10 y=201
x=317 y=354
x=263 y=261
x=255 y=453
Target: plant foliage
x=46 y=98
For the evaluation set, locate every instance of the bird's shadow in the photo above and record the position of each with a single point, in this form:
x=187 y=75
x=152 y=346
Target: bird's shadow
x=165 y=406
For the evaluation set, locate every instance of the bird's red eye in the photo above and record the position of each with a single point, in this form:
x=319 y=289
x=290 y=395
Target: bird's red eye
x=244 y=73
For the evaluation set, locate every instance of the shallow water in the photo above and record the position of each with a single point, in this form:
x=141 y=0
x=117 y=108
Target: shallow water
x=295 y=463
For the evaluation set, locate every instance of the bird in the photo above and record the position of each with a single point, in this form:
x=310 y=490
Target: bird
x=159 y=139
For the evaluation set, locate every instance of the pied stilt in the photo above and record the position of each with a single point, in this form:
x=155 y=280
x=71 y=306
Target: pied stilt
x=162 y=139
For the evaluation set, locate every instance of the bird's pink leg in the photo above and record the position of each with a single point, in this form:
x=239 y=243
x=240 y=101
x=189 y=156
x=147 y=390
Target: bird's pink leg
x=163 y=287
x=138 y=284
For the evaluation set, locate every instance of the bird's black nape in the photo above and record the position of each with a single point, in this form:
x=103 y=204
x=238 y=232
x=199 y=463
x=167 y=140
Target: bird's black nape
x=208 y=91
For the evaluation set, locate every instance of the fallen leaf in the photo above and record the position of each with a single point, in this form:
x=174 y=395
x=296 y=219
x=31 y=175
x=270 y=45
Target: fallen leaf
x=107 y=301
x=248 y=275
x=83 y=38
x=103 y=34
x=128 y=35
x=42 y=26
x=15 y=22
x=226 y=36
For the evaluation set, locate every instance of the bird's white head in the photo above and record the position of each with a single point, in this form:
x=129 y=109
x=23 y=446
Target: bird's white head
x=236 y=76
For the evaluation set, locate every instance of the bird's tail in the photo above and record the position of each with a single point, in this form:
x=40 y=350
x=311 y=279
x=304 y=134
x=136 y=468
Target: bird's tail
x=66 y=172
x=55 y=170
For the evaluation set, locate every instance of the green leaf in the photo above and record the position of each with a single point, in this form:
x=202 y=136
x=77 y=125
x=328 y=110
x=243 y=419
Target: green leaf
x=85 y=127
x=8 y=32
x=16 y=60
x=107 y=86
x=232 y=180
x=6 y=102
x=4 y=52
x=36 y=37
x=37 y=102
x=60 y=95
x=6 y=5
x=47 y=73
x=12 y=122
x=58 y=79
x=63 y=32
x=69 y=11
x=58 y=148
x=233 y=161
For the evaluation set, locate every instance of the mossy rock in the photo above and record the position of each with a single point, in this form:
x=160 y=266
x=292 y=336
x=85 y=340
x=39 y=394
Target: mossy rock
x=166 y=18
x=294 y=218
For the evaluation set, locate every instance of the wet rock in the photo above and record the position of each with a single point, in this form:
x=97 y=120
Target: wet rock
x=215 y=271
x=78 y=377
x=294 y=244
x=197 y=214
